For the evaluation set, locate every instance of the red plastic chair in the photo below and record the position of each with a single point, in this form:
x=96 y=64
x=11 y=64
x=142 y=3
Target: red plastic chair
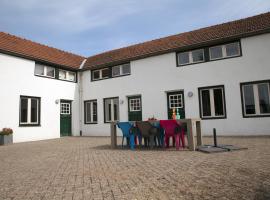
x=174 y=130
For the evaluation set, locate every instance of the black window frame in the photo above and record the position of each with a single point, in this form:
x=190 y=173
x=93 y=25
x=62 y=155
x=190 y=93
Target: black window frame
x=110 y=72
x=56 y=72
x=242 y=98
x=104 y=109
x=85 y=111
x=39 y=111
x=224 y=101
x=207 y=53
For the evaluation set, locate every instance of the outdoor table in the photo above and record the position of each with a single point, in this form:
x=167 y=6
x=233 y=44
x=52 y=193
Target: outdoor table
x=193 y=128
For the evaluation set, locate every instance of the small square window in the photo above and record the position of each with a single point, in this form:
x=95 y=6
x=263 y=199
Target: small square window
x=126 y=69
x=198 y=56
x=183 y=58
x=96 y=74
x=116 y=71
x=105 y=73
x=232 y=49
x=216 y=52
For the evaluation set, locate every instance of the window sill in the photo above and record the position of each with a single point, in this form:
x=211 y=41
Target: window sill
x=29 y=125
x=207 y=118
x=255 y=116
x=86 y=123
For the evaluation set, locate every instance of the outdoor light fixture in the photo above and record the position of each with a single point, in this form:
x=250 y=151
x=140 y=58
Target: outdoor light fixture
x=121 y=101
x=57 y=101
x=190 y=94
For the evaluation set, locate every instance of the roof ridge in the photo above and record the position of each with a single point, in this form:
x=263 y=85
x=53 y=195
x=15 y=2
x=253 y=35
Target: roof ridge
x=44 y=45
x=173 y=35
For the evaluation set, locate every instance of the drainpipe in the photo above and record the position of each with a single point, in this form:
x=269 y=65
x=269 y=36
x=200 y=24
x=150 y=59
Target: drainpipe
x=80 y=84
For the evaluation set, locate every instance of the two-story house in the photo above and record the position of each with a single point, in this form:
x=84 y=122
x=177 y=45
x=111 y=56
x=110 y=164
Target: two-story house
x=219 y=73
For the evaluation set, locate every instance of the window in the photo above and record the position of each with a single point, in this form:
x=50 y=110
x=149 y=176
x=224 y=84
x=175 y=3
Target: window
x=111 y=109
x=90 y=112
x=175 y=101
x=135 y=104
x=212 y=102
x=256 y=98
x=42 y=70
x=29 y=111
x=224 y=51
x=67 y=75
x=190 y=57
x=65 y=109
x=121 y=70
x=101 y=74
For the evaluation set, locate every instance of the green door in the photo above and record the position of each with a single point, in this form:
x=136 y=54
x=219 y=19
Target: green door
x=134 y=108
x=65 y=118
x=175 y=100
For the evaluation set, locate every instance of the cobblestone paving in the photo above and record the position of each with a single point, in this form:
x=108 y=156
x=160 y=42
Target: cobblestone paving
x=85 y=168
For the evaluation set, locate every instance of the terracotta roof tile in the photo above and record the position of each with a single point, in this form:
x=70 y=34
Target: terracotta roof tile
x=231 y=30
x=38 y=52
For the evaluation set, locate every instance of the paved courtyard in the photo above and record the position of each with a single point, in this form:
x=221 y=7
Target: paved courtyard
x=85 y=168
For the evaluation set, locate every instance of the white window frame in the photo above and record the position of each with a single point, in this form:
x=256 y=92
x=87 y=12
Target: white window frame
x=67 y=75
x=131 y=107
x=224 y=52
x=112 y=110
x=100 y=74
x=92 y=114
x=121 y=73
x=190 y=57
x=170 y=98
x=212 y=102
x=29 y=111
x=45 y=71
x=256 y=98
x=67 y=109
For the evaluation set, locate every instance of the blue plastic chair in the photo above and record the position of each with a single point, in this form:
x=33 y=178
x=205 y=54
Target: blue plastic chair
x=127 y=133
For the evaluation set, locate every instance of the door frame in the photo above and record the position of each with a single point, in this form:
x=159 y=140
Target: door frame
x=70 y=102
x=134 y=96
x=183 y=99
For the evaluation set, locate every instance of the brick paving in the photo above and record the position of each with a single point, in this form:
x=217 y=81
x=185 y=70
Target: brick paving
x=86 y=168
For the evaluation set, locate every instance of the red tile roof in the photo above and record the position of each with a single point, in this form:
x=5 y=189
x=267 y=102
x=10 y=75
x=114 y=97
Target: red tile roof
x=21 y=47
x=231 y=30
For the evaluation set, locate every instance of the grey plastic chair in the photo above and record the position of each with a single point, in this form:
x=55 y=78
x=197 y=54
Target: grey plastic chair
x=147 y=130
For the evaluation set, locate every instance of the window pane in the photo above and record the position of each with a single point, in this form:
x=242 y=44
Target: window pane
x=50 y=71
x=34 y=110
x=116 y=71
x=183 y=58
x=216 y=52
x=96 y=74
x=249 y=99
x=198 y=55
x=218 y=101
x=71 y=76
x=24 y=108
x=94 y=111
x=105 y=73
x=39 y=69
x=107 y=110
x=62 y=75
x=126 y=69
x=116 y=109
x=233 y=49
x=206 y=108
x=88 y=112
x=263 y=90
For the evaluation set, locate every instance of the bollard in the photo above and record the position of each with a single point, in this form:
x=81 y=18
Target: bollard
x=215 y=137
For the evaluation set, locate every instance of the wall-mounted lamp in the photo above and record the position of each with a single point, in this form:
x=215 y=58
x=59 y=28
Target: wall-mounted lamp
x=190 y=94
x=57 y=101
x=121 y=101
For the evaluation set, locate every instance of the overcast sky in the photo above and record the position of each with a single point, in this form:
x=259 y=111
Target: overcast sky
x=88 y=27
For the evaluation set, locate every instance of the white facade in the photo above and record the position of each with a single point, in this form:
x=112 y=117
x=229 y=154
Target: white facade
x=17 y=78
x=152 y=77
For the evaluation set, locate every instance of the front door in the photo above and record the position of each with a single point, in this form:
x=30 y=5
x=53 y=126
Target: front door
x=65 y=118
x=134 y=108
x=175 y=100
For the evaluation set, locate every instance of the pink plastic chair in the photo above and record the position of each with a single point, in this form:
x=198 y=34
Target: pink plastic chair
x=174 y=130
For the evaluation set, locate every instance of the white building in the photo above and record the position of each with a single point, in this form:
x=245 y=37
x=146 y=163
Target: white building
x=220 y=74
